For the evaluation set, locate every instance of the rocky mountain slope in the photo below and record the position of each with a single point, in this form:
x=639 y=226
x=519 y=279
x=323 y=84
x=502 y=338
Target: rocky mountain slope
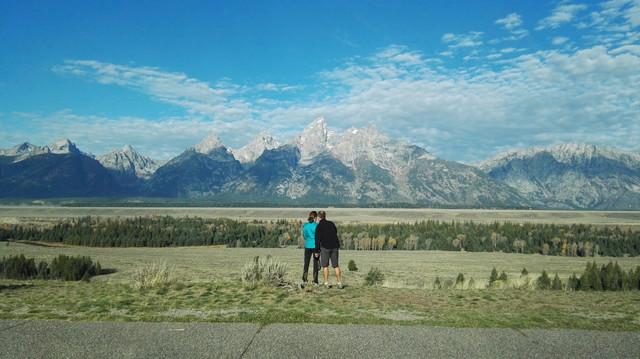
x=570 y=176
x=360 y=166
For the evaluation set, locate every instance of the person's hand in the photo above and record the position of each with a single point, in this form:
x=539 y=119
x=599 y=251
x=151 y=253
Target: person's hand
x=316 y=255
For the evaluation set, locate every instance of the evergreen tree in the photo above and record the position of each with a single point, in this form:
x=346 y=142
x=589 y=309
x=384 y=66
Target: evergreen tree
x=543 y=282
x=556 y=284
x=493 y=277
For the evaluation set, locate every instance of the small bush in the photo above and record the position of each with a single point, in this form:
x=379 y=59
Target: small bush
x=493 y=277
x=374 y=277
x=352 y=266
x=543 y=281
x=268 y=271
x=18 y=267
x=503 y=276
x=556 y=284
x=471 y=284
x=73 y=268
x=155 y=275
x=524 y=272
x=448 y=284
x=437 y=284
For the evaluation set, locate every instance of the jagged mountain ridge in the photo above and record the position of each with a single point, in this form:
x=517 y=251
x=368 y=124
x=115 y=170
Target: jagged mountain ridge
x=356 y=167
x=570 y=176
x=128 y=161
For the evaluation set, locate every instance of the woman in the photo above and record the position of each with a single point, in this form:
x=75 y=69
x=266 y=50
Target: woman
x=309 y=235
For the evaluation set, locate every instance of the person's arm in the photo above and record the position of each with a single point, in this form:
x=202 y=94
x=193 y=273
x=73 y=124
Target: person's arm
x=337 y=238
x=318 y=237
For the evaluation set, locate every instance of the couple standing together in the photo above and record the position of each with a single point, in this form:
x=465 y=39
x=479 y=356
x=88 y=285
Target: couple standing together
x=321 y=243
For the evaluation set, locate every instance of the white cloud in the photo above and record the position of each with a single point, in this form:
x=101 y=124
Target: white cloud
x=510 y=22
x=217 y=101
x=513 y=24
x=469 y=39
x=561 y=14
x=559 y=40
x=466 y=113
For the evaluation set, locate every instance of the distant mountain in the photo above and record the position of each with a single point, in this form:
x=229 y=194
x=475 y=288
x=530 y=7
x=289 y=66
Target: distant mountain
x=360 y=166
x=255 y=148
x=363 y=166
x=26 y=150
x=201 y=171
x=570 y=176
x=58 y=170
x=128 y=162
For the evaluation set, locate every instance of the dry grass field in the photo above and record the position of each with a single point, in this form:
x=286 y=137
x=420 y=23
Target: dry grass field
x=20 y=214
x=207 y=284
x=207 y=288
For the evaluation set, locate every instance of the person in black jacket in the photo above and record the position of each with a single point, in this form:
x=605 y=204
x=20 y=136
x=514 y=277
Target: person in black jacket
x=328 y=244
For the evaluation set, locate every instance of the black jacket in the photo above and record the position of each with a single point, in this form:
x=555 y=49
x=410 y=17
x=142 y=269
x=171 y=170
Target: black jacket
x=327 y=235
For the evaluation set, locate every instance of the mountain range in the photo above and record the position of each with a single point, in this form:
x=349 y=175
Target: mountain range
x=360 y=166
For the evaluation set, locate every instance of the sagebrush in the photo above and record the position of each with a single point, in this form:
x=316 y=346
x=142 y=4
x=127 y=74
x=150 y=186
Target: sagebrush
x=154 y=275
x=267 y=270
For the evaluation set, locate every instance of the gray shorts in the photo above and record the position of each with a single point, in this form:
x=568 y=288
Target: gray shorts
x=326 y=254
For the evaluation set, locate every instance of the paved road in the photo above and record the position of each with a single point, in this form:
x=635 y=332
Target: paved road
x=55 y=339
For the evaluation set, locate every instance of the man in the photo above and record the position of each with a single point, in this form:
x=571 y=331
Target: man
x=328 y=244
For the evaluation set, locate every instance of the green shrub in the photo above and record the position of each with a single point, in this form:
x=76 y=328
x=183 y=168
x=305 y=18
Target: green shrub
x=374 y=277
x=268 y=271
x=62 y=267
x=503 y=276
x=460 y=279
x=18 y=267
x=543 y=281
x=352 y=266
x=437 y=284
x=556 y=284
x=154 y=275
x=493 y=277
x=524 y=272
x=73 y=268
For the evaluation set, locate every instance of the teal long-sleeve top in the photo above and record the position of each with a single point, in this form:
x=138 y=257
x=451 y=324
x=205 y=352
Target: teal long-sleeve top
x=309 y=234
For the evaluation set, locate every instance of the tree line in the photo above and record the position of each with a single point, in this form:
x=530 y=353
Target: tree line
x=582 y=240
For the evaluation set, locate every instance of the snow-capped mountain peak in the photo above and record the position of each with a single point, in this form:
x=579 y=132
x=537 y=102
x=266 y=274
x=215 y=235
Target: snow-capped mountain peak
x=251 y=151
x=209 y=144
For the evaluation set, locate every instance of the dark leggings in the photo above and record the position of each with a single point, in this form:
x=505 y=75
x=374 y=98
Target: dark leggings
x=308 y=254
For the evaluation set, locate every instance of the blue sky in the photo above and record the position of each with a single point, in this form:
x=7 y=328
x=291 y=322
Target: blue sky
x=464 y=79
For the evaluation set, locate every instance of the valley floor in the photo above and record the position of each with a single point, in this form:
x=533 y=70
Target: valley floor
x=23 y=213
x=208 y=290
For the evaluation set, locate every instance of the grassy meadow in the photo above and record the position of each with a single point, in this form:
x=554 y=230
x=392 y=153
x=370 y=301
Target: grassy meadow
x=207 y=288
x=13 y=214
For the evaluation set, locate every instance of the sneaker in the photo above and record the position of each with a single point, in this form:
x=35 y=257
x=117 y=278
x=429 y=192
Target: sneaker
x=340 y=286
x=327 y=285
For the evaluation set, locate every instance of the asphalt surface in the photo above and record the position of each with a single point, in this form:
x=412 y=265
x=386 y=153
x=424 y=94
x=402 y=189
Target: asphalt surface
x=56 y=339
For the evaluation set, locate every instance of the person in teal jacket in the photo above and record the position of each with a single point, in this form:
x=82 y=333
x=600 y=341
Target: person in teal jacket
x=309 y=235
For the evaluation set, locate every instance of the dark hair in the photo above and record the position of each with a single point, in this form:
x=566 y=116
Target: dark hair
x=322 y=214
x=312 y=216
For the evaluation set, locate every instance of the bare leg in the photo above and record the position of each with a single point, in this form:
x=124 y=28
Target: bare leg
x=325 y=274
x=338 y=274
